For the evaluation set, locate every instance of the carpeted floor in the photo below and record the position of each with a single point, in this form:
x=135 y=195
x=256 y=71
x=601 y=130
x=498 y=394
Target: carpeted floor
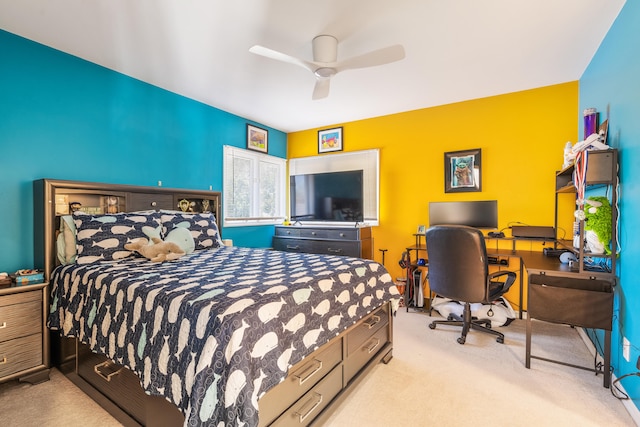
x=431 y=380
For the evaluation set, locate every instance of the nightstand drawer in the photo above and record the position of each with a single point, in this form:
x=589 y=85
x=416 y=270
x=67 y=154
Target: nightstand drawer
x=20 y=354
x=19 y=320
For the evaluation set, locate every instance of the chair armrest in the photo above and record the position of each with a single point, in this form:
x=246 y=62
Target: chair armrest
x=507 y=282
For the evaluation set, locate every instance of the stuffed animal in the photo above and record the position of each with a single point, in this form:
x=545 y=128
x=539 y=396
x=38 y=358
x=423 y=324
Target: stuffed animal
x=179 y=235
x=597 y=225
x=158 y=251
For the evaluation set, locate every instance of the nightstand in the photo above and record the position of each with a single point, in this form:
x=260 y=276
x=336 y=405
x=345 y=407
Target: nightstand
x=24 y=343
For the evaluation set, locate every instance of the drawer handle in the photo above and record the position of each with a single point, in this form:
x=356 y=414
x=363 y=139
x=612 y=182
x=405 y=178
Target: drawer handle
x=313 y=233
x=4 y=325
x=334 y=251
x=3 y=361
x=295 y=248
x=318 y=401
x=371 y=348
x=374 y=321
x=302 y=378
x=154 y=204
x=342 y=234
x=105 y=364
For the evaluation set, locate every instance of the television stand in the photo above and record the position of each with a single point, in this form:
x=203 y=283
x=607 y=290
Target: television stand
x=329 y=240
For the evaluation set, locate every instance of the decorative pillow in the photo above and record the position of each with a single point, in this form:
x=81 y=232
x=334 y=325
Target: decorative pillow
x=66 y=241
x=202 y=226
x=102 y=237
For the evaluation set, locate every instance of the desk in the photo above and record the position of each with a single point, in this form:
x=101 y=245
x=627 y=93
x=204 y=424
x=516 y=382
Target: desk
x=558 y=293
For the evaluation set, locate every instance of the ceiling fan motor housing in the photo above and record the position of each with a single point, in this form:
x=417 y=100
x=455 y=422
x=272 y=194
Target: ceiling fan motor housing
x=325 y=49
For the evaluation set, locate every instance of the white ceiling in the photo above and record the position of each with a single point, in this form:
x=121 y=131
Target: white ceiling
x=456 y=50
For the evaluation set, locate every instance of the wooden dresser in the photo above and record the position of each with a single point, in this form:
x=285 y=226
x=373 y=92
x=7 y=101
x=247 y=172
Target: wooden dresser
x=24 y=349
x=347 y=241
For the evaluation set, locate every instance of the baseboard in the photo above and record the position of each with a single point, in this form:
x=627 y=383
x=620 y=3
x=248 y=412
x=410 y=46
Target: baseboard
x=628 y=404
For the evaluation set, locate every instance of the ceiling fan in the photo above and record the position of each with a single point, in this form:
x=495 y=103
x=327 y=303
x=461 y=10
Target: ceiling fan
x=325 y=62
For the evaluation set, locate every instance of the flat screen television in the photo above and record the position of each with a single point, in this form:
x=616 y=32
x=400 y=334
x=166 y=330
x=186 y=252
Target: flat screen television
x=328 y=196
x=478 y=214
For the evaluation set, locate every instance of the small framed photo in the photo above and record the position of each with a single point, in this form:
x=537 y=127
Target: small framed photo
x=462 y=171
x=257 y=139
x=422 y=229
x=330 y=140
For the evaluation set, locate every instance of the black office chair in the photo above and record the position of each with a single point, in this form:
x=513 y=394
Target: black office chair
x=458 y=270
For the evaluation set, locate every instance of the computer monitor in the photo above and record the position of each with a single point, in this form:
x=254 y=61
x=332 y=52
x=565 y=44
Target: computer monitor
x=478 y=214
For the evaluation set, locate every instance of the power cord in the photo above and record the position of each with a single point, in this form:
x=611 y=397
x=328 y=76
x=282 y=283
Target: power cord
x=614 y=386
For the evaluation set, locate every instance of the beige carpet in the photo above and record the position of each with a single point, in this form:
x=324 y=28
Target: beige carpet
x=432 y=380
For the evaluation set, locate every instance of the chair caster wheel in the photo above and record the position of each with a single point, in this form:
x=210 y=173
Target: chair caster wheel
x=500 y=340
x=461 y=340
x=432 y=325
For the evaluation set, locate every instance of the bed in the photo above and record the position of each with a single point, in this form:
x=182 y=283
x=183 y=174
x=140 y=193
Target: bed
x=221 y=335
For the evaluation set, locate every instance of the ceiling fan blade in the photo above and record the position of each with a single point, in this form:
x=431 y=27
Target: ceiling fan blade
x=372 y=59
x=279 y=56
x=321 y=89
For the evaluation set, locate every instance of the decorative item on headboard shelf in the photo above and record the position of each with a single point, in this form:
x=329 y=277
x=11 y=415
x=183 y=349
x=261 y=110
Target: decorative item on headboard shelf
x=205 y=205
x=184 y=205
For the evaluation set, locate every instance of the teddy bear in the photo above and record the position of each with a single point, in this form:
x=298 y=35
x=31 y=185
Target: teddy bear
x=157 y=251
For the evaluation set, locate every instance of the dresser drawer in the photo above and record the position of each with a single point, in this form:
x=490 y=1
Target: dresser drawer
x=19 y=320
x=313 y=402
x=330 y=233
x=301 y=377
x=288 y=231
x=19 y=354
x=324 y=247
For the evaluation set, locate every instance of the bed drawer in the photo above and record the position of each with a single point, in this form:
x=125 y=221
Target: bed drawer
x=302 y=377
x=372 y=323
x=313 y=402
x=22 y=319
x=118 y=384
x=359 y=357
x=19 y=354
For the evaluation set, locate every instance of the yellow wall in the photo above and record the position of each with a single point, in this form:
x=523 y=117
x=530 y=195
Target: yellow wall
x=522 y=136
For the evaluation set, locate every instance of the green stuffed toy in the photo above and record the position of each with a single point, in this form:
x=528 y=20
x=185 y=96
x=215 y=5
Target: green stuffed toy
x=597 y=224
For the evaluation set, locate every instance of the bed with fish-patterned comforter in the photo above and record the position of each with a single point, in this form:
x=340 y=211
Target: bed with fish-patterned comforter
x=216 y=329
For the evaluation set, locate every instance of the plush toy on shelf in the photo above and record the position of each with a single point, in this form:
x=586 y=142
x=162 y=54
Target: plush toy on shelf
x=597 y=225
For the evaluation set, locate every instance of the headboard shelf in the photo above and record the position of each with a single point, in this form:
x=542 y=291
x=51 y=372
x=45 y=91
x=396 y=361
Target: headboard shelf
x=52 y=199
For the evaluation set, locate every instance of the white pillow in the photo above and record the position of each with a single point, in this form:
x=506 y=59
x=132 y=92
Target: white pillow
x=66 y=241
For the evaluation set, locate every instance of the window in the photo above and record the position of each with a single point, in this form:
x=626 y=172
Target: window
x=254 y=188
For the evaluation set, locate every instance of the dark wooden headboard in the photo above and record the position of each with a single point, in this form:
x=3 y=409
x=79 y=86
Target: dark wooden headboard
x=53 y=197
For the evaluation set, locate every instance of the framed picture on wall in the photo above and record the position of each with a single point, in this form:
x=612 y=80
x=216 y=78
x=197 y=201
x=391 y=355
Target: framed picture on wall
x=462 y=171
x=330 y=140
x=257 y=139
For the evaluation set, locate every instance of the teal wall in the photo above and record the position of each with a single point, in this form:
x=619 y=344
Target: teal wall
x=611 y=81
x=65 y=118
